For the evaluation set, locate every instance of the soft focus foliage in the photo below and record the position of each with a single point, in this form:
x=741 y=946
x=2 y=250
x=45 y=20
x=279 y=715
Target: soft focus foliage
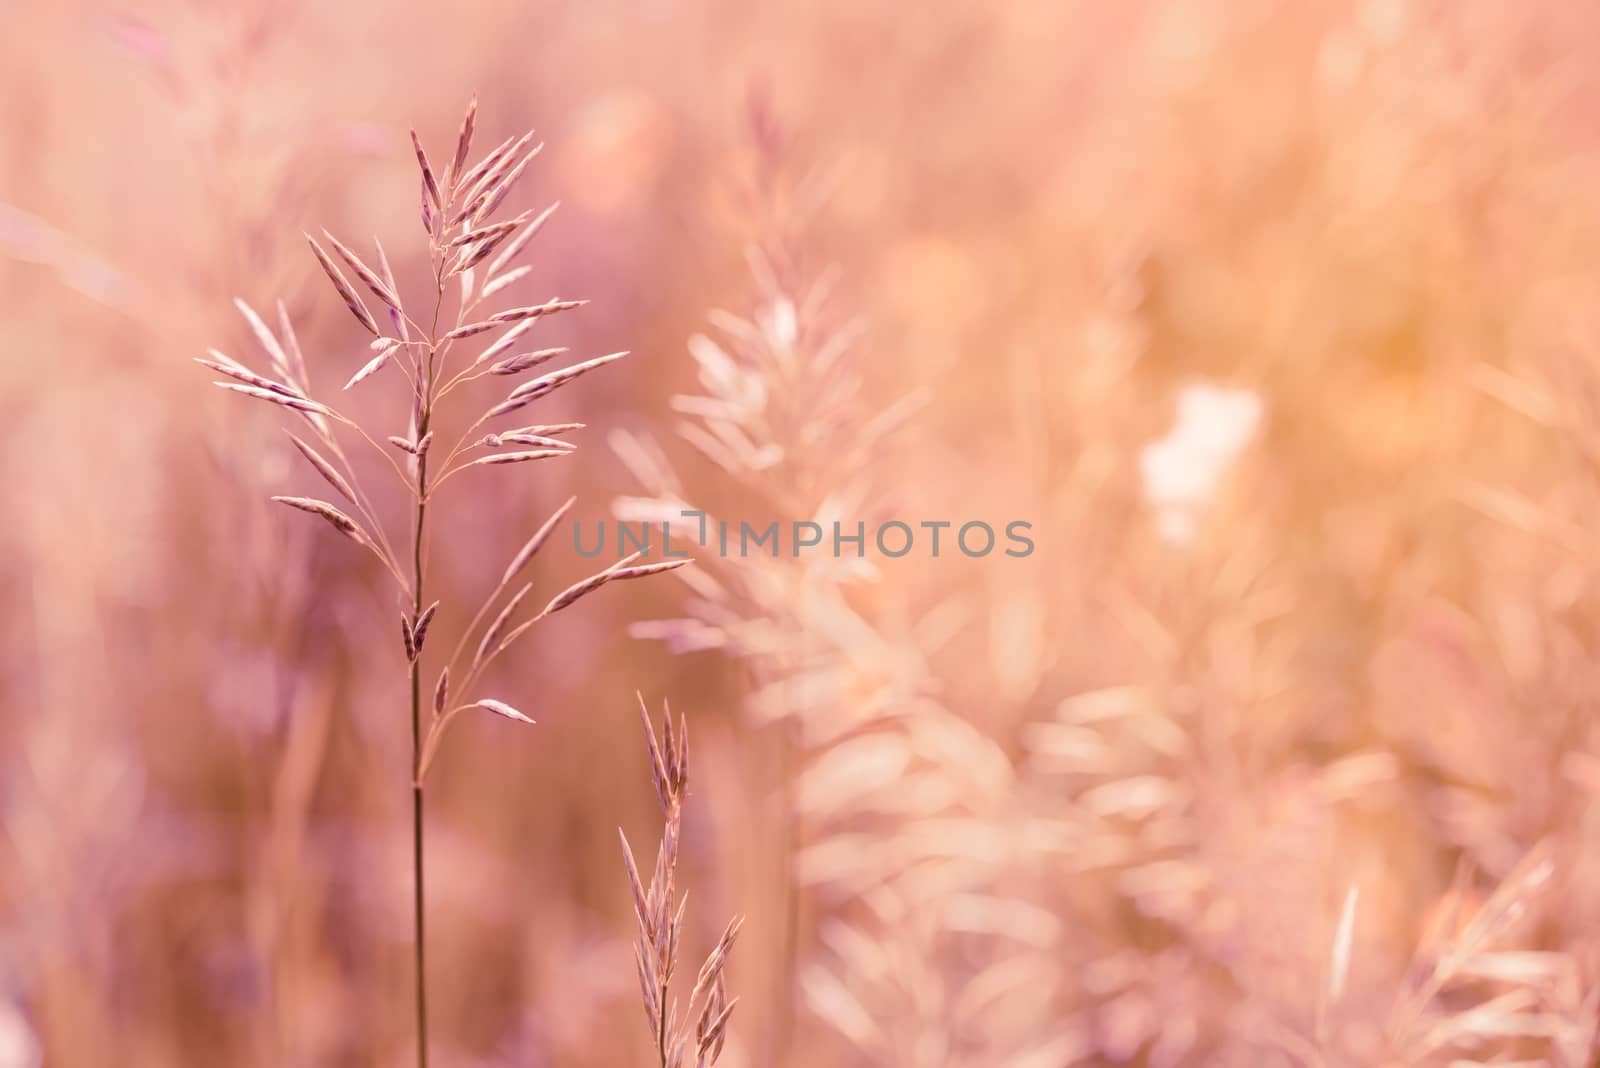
x=1278 y=321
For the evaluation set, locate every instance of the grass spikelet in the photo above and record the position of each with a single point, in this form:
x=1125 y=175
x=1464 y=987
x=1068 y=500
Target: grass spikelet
x=419 y=631
x=535 y=543
x=500 y=708
x=341 y=522
x=269 y=343
x=549 y=383
x=529 y=232
x=493 y=632
x=372 y=366
x=428 y=181
x=517 y=457
x=342 y=286
x=379 y=287
x=226 y=366
x=535 y=311
x=325 y=469
x=463 y=143
x=522 y=362
x=275 y=397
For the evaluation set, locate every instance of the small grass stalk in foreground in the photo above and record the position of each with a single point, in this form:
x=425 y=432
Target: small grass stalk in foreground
x=659 y=912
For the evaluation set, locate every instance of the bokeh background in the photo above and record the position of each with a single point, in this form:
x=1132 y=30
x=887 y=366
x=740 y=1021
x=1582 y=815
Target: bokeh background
x=1279 y=321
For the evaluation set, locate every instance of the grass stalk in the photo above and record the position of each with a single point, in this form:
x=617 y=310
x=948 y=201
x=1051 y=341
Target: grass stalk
x=456 y=210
